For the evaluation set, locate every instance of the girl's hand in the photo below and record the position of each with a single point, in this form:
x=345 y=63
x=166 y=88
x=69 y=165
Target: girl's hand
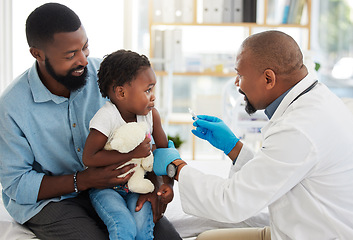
x=159 y=201
x=157 y=206
x=143 y=150
x=166 y=193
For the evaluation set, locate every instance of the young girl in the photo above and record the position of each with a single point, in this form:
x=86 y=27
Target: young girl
x=127 y=79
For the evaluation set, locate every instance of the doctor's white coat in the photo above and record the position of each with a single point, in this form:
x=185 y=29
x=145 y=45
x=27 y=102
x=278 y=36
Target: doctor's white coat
x=303 y=172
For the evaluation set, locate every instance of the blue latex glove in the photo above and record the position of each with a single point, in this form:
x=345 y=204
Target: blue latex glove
x=162 y=158
x=216 y=132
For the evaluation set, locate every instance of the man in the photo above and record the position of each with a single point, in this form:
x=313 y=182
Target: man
x=303 y=171
x=44 y=117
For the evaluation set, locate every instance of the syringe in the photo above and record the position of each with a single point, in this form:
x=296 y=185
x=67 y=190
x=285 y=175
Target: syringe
x=194 y=116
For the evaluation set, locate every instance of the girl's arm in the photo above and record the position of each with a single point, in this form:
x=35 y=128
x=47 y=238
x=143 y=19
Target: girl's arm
x=158 y=133
x=160 y=138
x=94 y=154
x=163 y=192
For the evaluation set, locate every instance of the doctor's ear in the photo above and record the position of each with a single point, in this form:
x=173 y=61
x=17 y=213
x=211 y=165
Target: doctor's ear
x=270 y=77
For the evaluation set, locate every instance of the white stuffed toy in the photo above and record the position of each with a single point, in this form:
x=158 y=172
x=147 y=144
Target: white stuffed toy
x=125 y=139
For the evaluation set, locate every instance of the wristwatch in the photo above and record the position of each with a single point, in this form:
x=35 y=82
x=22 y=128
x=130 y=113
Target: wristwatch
x=172 y=170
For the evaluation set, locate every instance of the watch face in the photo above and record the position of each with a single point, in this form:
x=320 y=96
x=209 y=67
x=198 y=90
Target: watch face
x=171 y=170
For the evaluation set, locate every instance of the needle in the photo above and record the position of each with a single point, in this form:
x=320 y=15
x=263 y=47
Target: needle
x=194 y=117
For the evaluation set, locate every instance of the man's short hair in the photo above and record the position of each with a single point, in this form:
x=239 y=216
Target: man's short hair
x=48 y=19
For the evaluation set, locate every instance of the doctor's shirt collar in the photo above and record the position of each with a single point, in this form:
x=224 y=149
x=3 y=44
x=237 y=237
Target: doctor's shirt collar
x=270 y=110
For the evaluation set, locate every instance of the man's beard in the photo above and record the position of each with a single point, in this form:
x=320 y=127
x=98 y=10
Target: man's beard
x=71 y=82
x=249 y=108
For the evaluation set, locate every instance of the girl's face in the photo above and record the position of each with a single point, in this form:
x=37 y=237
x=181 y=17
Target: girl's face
x=139 y=93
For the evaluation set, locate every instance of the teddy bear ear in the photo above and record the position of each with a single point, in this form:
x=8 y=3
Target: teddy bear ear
x=127 y=137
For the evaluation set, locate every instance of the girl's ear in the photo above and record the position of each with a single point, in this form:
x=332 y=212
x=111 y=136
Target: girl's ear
x=37 y=54
x=270 y=77
x=119 y=92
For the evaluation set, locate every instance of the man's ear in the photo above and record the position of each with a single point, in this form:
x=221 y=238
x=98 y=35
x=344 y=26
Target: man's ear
x=37 y=53
x=270 y=78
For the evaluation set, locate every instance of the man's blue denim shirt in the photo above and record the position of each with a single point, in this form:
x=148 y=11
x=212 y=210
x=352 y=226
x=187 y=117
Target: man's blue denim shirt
x=42 y=134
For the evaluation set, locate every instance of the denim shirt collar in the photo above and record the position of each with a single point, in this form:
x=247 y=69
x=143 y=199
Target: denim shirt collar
x=40 y=92
x=270 y=110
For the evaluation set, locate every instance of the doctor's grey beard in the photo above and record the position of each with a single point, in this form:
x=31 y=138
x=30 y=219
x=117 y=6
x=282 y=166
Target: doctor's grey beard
x=249 y=108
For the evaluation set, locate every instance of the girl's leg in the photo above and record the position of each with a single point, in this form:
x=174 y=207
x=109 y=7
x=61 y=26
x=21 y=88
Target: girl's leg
x=143 y=218
x=112 y=209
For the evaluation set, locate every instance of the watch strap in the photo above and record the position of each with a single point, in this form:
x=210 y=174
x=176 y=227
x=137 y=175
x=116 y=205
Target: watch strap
x=178 y=163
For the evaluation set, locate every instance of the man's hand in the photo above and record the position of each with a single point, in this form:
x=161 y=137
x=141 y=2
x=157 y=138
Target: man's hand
x=164 y=156
x=103 y=177
x=92 y=177
x=216 y=132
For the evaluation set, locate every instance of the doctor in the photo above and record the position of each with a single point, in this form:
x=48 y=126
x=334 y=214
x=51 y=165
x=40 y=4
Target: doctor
x=304 y=171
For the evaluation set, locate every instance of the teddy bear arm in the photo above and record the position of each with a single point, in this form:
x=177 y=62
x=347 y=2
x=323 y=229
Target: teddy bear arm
x=147 y=163
x=138 y=184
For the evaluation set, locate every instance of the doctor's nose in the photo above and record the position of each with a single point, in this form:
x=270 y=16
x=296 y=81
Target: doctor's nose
x=237 y=80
